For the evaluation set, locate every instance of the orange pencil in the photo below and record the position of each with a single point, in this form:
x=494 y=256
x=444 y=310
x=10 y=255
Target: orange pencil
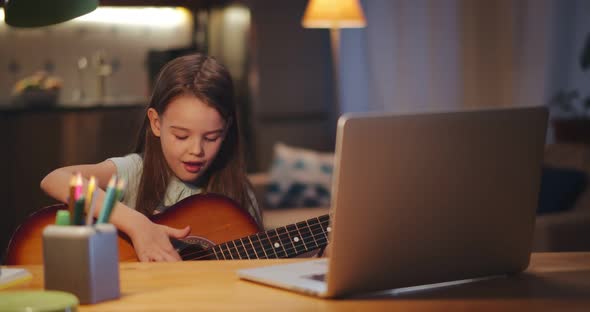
x=72 y=198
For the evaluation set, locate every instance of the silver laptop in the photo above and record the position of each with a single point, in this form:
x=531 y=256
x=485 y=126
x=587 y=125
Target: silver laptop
x=425 y=198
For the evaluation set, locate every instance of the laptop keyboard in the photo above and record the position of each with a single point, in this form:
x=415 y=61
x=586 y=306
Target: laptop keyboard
x=317 y=277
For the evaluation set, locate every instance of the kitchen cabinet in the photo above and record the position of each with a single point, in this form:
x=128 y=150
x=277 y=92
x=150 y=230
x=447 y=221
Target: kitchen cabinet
x=36 y=141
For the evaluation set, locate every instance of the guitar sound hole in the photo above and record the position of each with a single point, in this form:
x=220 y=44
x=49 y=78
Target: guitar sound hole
x=194 y=248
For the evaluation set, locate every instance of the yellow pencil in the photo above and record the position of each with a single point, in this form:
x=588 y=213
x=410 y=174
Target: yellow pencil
x=89 y=199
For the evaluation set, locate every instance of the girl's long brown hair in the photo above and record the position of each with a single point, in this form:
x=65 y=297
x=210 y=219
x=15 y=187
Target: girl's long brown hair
x=210 y=82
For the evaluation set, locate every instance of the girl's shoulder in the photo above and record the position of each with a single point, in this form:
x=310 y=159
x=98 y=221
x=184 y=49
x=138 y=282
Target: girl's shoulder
x=128 y=165
x=129 y=168
x=129 y=159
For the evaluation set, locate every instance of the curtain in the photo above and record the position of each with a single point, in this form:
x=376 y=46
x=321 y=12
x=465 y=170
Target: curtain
x=417 y=55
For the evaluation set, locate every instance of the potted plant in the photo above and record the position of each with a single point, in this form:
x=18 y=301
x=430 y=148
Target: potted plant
x=39 y=89
x=571 y=111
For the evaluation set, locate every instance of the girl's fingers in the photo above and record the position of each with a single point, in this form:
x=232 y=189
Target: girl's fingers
x=171 y=257
x=143 y=258
x=177 y=233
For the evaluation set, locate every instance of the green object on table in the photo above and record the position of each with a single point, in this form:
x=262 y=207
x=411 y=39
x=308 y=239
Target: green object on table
x=37 y=301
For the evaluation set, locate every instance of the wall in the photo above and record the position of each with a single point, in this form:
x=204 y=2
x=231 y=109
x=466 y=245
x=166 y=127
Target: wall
x=124 y=36
x=291 y=80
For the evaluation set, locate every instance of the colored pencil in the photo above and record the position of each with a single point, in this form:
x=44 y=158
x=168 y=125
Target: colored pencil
x=90 y=200
x=108 y=201
x=72 y=198
x=121 y=184
x=79 y=211
x=79 y=186
x=62 y=217
x=89 y=193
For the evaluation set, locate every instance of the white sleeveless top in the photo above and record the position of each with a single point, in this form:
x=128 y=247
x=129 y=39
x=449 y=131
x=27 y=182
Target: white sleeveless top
x=130 y=168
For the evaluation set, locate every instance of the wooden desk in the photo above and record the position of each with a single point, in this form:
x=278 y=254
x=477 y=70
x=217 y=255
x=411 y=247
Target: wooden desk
x=554 y=281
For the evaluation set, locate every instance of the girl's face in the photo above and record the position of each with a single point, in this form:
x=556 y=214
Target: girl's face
x=191 y=133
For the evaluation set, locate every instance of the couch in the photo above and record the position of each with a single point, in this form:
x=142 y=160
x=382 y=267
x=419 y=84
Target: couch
x=278 y=217
x=567 y=230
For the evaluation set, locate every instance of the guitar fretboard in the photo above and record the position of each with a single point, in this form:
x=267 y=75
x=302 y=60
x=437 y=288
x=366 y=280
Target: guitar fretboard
x=284 y=242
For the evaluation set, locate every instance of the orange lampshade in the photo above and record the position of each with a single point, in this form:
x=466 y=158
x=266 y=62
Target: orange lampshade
x=334 y=14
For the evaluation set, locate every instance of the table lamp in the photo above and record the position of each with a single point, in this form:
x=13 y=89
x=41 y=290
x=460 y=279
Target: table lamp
x=334 y=14
x=37 y=13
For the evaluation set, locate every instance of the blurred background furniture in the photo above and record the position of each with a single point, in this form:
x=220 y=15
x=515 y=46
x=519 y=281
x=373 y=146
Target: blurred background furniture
x=276 y=217
x=569 y=228
x=37 y=141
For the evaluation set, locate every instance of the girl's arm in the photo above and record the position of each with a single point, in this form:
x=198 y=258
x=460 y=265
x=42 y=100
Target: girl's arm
x=150 y=241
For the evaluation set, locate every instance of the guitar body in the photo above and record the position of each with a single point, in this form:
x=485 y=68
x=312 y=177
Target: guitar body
x=213 y=219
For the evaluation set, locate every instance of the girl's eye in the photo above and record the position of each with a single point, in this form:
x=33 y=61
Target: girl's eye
x=181 y=137
x=211 y=139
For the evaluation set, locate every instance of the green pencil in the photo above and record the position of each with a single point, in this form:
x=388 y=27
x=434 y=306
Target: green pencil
x=121 y=184
x=108 y=201
x=79 y=211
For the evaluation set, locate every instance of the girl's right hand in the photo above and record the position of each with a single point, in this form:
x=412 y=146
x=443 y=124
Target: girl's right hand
x=152 y=241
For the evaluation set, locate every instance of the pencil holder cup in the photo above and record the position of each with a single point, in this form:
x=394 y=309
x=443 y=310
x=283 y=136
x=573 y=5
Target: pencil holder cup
x=82 y=260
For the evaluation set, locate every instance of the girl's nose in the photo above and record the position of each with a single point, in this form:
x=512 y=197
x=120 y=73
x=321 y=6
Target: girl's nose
x=197 y=148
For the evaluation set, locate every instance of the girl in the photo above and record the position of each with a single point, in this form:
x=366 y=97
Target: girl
x=189 y=143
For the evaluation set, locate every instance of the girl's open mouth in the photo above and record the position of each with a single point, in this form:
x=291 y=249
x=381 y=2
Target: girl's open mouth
x=193 y=167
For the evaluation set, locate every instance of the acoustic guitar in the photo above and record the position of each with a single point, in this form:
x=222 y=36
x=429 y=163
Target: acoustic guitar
x=220 y=230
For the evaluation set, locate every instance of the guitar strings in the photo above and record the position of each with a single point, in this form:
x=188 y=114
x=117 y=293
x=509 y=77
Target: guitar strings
x=322 y=241
x=235 y=253
x=207 y=252
x=268 y=255
x=280 y=236
x=285 y=235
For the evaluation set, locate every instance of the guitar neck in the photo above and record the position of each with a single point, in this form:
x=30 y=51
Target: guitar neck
x=283 y=242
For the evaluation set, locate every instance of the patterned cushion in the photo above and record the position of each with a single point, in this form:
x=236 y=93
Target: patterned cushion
x=299 y=178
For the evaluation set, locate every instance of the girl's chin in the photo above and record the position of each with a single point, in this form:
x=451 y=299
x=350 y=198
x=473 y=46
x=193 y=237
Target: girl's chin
x=189 y=177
